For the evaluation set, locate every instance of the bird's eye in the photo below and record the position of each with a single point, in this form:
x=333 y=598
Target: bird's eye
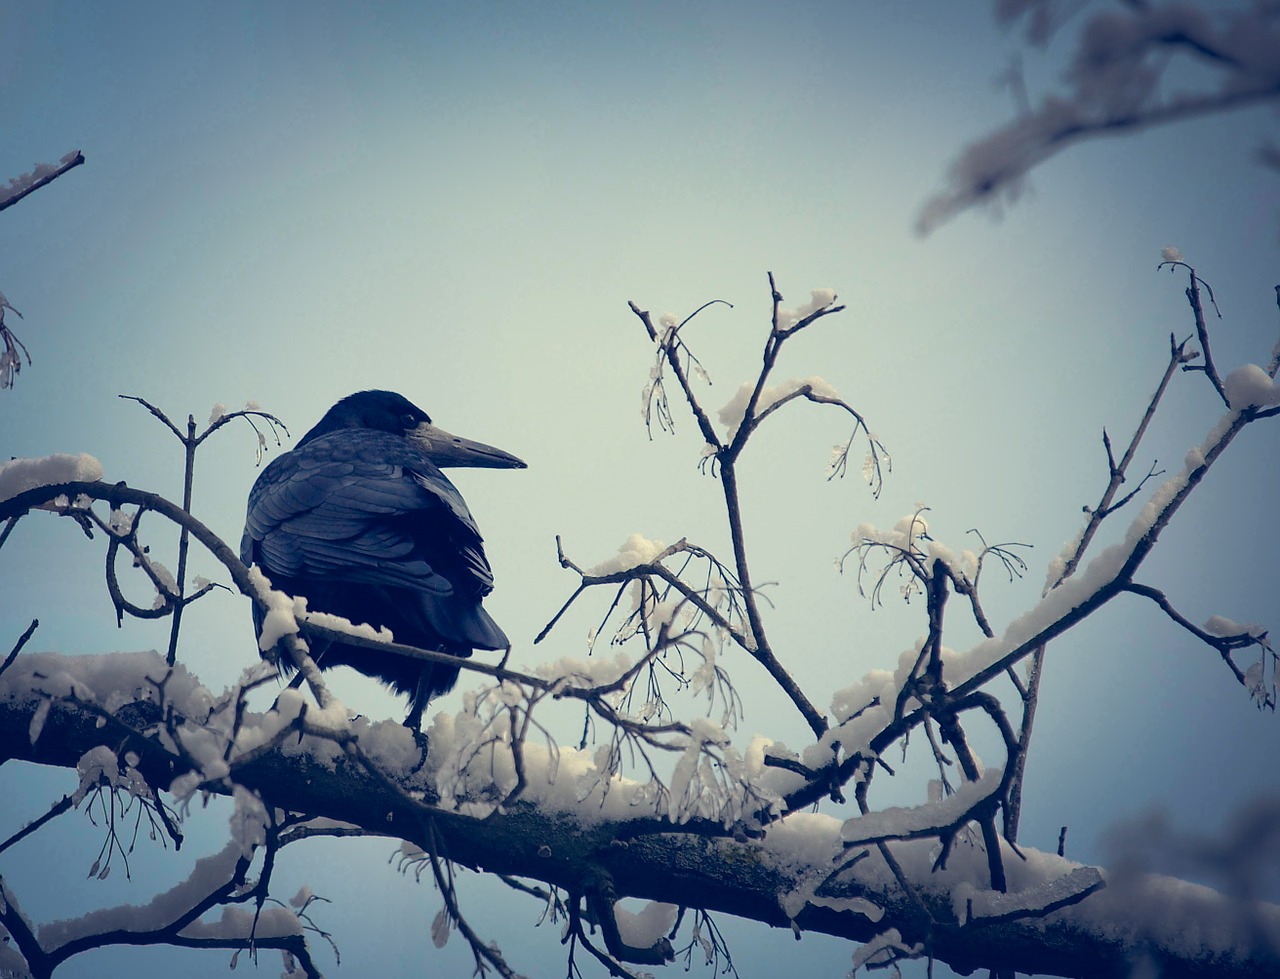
x=408 y=421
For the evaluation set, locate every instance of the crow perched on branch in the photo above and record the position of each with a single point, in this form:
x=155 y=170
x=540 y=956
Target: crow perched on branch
x=360 y=521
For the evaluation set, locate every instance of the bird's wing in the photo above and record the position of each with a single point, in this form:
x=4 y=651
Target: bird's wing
x=365 y=507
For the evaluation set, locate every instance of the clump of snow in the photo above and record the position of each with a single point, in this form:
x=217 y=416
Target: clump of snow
x=109 y=680
x=905 y=533
x=120 y=522
x=19 y=185
x=982 y=904
x=19 y=475
x=1059 y=562
x=963 y=565
x=633 y=552
x=1249 y=387
x=903 y=823
x=818 y=299
x=168 y=585
x=1170 y=254
x=883 y=948
x=338 y=623
x=38 y=717
x=282 y=611
x=732 y=414
x=851 y=700
x=217 y=412
x=645 y=928
x=388 y=743
x=596 y=671
x=271 y=921
x=1220 y=625
x=99 y=766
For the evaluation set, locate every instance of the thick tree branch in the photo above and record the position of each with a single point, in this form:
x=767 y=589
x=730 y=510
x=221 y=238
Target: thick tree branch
x=684 y=865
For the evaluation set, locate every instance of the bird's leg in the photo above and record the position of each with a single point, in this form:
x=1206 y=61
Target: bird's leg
x=417 y=704
x=418 y=700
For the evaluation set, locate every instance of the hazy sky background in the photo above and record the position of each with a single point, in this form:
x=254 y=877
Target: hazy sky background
x=294 y=202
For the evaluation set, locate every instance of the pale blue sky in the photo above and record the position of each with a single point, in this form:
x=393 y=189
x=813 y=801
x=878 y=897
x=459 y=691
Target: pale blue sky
x=456 y=202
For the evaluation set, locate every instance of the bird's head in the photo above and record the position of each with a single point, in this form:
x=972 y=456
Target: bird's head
x=386 y=411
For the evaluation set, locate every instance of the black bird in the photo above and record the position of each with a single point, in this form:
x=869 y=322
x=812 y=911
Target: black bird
x=359 y=519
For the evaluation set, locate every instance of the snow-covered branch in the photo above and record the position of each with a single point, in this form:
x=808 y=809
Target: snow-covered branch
x=547 y=839
x=1133 y=65
x=43 y=173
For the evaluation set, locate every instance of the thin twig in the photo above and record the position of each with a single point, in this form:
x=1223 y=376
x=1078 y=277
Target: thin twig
x=17 y=647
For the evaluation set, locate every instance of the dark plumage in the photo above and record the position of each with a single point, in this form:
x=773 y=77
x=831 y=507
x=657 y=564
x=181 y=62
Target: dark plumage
x=360 y=520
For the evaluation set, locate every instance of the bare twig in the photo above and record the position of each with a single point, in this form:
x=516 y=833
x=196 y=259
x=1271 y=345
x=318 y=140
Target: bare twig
x=17 y=646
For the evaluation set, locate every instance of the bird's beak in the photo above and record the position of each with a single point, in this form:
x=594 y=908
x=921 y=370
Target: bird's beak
x=452 y=450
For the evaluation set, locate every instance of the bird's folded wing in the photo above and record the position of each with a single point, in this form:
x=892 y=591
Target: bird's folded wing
x=330 y=510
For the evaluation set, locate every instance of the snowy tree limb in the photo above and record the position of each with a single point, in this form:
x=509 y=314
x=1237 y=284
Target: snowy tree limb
x=29 y=183
x=1114 y=86
x=1097 y=937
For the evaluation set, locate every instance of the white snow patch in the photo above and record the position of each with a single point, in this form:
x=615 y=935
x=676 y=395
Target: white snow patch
x=1250 y=386
x=883 y=948
x=282 y=611
x=236 y=922
x=336 y=622
x=901 y=823
x=818 y=299
x=645 y=928
x=208 y=874
x=804 y=839
x=1220 y=625
x=732 y=414
x=110 y=680
x=633 y=552
x=972 y=904
x=38 y=717
x=596 y=671
x=19 y=475
x=19 y=185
